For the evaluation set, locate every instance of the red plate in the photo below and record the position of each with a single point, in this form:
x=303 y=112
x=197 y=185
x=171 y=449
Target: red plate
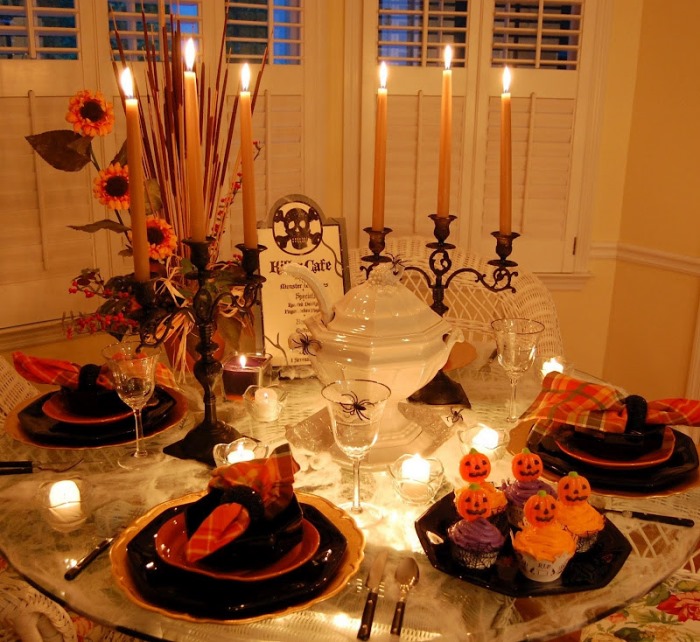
x=653 y=458
x=171 y=540
x=56 y=408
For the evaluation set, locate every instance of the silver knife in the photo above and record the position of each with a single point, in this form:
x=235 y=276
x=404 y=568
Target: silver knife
x=74 y=571
x=653 y=517
x=374 y=578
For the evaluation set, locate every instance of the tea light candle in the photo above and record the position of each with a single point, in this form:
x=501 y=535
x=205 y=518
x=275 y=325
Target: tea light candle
x=245 y=370
x=416 y=479
x=486 y=439
x=552 y=365
x=416 y=469
x=240 y=452
x=65 y=502
x=266 y=404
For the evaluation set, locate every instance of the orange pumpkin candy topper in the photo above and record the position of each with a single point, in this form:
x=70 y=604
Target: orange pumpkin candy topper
x=473 y=502
x=540 y=510
x=574 y=489
x=526 y=466
x=474 y=466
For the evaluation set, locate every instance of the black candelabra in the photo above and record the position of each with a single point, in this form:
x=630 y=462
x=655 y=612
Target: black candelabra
x=443 y=390
x=199 y=442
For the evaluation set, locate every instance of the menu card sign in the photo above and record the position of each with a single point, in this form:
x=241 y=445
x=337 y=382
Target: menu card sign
x=297 y=231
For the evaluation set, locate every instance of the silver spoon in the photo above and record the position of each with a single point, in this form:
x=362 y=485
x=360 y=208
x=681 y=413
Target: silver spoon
x=406 y=576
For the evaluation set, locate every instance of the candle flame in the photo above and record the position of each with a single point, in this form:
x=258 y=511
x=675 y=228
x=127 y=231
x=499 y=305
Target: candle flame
x=189 y=54
x=448 y=56
x=127 y=82
x=506 y=80
x=245 y=77
x=383 y=75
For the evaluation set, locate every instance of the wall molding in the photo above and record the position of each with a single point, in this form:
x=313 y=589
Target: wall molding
x=658 y=259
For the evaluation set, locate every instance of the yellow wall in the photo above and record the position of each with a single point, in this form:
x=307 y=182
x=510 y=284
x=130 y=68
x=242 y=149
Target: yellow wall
x=653 y=312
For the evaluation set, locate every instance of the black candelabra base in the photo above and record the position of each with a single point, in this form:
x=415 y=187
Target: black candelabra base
x=199 y=442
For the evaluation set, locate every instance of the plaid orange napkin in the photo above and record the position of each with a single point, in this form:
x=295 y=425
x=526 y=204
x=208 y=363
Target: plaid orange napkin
x=271 y=478
x=568 y=401
x=66 y=373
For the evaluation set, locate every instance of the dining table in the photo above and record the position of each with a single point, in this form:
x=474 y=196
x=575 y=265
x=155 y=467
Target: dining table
x=441 y=606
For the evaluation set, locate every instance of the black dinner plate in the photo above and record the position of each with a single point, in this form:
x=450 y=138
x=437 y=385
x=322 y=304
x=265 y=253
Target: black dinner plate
x=590 y=570
x=682 y=461
x=45 y=430
x=202 y=596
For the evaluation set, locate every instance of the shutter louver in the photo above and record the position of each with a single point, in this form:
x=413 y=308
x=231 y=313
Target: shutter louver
x=412 y=154
x=253 y=25
x=544 y=34
x=128 y=18
x=414 y=32
x=38 y=32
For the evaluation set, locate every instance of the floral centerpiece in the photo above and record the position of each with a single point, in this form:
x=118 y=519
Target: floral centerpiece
x=122 y=308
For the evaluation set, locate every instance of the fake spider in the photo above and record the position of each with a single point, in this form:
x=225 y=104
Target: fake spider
x=456 y=415
x=355 y=406
x=305 y=343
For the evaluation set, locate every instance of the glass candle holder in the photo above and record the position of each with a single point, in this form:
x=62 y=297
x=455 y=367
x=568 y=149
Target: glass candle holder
x=264 y=403
x=416 y=479
x=243 y=370
x=488 y=441
x=65 y=504
x=243 y=449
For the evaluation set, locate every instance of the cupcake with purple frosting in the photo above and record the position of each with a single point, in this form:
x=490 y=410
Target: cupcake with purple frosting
x=527 y=468
x=474 y=541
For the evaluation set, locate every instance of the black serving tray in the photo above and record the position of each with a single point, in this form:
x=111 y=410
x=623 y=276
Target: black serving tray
x=683 y=461
x=590 y=570
x=45 y=430
x=200 y=596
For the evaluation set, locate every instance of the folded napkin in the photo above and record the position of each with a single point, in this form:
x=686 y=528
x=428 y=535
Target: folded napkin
x=67 y=374
x=272 y=479
x=568 y=401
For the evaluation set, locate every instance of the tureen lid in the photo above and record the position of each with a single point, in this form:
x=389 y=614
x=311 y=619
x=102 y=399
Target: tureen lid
x=383 y=306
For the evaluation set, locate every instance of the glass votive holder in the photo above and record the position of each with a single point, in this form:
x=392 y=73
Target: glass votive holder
x=416 y=479
x=264 y=403
x=243 y=449
x=556 y=363
x=488 y=441
x=65 y=504
x=243 y=370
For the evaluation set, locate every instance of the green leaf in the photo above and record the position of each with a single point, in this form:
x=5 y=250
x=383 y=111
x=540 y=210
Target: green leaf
x=104 y=224
x=63 y=149
x=154 y=203
x=121 y=155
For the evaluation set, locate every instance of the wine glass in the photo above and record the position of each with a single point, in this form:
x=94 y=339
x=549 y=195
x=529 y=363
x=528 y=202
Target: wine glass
x=133 y=369
x=516 y=342
x=356 y=407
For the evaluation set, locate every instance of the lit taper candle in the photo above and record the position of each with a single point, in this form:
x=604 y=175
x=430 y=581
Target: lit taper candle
x=380 y=153
x=506 y=162
x=444 y=167
x=137 y=193
x=193 y=152
x=250 y=219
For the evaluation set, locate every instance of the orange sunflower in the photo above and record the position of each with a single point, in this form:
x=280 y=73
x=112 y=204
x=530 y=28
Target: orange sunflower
x=162 y=241
x=90 y=114
x=111 y=187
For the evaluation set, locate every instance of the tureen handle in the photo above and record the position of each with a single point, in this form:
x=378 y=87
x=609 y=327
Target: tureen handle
x=303 y=273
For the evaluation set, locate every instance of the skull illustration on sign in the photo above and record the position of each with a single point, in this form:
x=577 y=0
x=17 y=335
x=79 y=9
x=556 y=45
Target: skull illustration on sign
x=299 y=226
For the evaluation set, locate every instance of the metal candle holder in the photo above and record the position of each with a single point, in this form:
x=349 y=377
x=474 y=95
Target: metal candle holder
x=443 y=390
x=199 y=442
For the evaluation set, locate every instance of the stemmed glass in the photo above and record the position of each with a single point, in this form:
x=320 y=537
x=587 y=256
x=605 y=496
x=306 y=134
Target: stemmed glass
x=516 y=342
x=133 y=370
x=356 y=407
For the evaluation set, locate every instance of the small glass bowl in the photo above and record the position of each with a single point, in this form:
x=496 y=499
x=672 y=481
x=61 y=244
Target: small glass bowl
x=488 y=441
x=264 y=403
x=65 y=503
x=416 y=489
x=243 y=449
